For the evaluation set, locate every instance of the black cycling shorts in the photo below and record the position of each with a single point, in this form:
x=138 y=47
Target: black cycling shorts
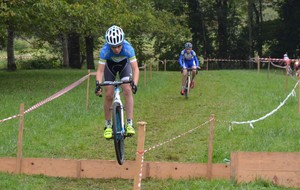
x=123 y=68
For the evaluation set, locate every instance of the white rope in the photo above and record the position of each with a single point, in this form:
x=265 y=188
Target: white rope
x=278 y=66
x=292 y=93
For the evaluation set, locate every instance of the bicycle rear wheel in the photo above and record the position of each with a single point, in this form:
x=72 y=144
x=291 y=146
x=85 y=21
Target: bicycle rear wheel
x=187 y=87
x=118 y=133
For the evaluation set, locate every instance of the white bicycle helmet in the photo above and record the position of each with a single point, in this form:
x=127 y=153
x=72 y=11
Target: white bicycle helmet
x=114 y=36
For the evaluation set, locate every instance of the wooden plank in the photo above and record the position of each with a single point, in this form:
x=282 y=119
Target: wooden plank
x=50 y=167
x=165 y=170
x=221 y=171
x=107 y=169
x=278 y=167
x=8 y=165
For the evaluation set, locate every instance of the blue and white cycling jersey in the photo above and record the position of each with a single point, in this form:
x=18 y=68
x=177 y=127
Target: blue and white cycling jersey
x=127 y=52
x=188 y=60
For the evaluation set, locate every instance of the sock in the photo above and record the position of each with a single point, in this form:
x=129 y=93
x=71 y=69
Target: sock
x=107 y=122
x=129 y=121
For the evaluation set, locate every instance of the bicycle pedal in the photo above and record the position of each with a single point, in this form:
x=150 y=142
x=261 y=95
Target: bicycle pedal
x=129 y=135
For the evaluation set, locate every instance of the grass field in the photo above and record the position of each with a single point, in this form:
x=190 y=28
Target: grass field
x=63 y=128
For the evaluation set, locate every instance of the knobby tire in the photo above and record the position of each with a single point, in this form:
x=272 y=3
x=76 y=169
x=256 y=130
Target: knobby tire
x=187 y=87
x=118 y=136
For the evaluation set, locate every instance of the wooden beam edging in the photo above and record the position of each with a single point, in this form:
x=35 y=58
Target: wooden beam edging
x=107 y=169
x=281 y=168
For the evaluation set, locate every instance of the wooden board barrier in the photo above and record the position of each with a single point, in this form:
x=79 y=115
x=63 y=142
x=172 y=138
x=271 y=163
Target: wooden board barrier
x=281 y=168
x=111 y=169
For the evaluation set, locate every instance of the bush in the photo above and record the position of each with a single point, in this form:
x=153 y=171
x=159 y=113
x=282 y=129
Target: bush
x=39 y=63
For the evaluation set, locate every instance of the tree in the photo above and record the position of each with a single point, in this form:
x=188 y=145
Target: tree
x=12 y=12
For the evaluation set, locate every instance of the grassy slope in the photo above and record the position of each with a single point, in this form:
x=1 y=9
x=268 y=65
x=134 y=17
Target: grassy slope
x=63 y=129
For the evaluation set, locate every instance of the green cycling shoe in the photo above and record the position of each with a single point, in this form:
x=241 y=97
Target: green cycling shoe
x=108 y=132
x=130 y=130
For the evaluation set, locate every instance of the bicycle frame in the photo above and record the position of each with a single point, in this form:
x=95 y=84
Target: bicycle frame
x=188 y=82
x=118 y=126
x=117 y=100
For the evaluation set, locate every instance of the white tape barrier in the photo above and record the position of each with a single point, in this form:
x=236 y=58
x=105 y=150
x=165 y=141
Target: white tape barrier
x=292 y=93
x=54 y=96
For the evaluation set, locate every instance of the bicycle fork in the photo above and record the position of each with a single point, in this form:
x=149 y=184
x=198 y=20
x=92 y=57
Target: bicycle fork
x=117 y=99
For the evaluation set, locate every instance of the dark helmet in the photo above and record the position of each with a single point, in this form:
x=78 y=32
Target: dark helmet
x=188 y=45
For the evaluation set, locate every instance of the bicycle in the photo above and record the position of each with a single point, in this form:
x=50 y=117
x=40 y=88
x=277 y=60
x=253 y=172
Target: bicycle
x=118 y=126
x=188 y=81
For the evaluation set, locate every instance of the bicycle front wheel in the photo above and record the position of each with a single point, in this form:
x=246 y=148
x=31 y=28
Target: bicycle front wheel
x=118 y=132
x=187 y=86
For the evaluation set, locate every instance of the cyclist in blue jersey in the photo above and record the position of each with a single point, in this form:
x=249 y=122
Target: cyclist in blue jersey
x=188 y=59
x=117 y=56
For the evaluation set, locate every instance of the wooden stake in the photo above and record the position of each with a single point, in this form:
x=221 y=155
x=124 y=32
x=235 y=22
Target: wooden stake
x=206 y=64
x=299 y=94
x=145 y=74
x=139 y=154
x=20 y=139
x=269 y=62
x=87 y=91
x=210 y=147
x=258 y=64
x=150 y=70
x=286 y=78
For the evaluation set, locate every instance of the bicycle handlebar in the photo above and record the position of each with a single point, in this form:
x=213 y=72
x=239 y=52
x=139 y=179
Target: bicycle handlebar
x=190 y=69
x=115 y=83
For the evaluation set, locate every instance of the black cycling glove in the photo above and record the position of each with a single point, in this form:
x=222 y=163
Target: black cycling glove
x=98 y=87
x=134 y=87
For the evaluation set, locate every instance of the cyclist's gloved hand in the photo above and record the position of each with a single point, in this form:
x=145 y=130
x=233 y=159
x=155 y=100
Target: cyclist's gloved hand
x=134 y=87
x=98 y=90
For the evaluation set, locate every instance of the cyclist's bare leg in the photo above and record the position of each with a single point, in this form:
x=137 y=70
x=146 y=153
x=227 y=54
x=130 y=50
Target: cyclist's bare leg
x=109 y=93
x=184 y=74
x=194 y=72
x=128 y=100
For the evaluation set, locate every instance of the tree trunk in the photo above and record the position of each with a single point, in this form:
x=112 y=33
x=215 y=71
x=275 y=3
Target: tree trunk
x=260 y=25
x=250 y=29
x=65 y=51
x=222 y=13
x=89 y=42
x=11 y=64
x=74 y=51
